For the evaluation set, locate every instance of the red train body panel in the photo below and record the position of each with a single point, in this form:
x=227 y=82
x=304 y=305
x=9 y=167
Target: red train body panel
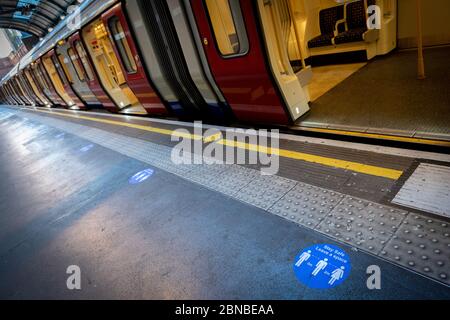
x=244 y=80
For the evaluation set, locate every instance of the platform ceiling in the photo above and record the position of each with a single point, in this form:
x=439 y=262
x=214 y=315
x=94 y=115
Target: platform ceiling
x=36 y=17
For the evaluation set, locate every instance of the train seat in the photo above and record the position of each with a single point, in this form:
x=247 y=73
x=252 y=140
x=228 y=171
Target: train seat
x=356 y=24
x=328 y=20
x=344 y=29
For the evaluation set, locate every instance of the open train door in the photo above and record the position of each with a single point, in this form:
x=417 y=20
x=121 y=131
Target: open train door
x=81 y=61
x=130 y=62
x=247 y=74
x=57 y=74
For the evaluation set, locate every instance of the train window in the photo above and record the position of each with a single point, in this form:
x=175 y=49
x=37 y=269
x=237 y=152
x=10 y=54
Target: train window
x=59 y=70
x=123 y=47
x=228 y=26
x=84 y=60
x=63 y=63
x=76 y=64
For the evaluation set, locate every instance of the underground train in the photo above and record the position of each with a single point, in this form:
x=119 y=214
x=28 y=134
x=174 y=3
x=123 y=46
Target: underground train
x=216 y=60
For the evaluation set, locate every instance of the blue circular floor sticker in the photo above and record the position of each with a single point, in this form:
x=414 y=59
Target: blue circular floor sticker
x=141 y=176
x=322 y=266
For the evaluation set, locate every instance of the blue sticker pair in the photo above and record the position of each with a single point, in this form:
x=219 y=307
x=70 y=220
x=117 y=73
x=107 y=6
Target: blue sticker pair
x=322 y=266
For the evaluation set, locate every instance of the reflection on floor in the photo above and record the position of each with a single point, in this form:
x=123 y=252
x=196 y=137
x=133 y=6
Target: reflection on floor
x=326 y=78
x=385 y=97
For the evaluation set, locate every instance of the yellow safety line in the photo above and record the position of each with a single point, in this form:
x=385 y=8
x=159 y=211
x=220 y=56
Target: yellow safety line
x=331 y=162
x=441 y=143
x=129 y=125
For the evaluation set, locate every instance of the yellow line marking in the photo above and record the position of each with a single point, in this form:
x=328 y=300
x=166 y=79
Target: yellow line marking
x=331 y=162
x=380 y=136
x=213 y=138
x=130 y=125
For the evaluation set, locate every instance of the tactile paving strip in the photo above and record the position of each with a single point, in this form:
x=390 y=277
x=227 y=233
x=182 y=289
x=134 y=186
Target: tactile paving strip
x=362 y=223
x=306 y=205
x=264 y=191
x=422 y=244
x=232 y=180
x=411 y=240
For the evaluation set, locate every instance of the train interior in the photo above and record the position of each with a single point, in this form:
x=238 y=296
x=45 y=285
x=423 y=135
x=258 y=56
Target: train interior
x=109 y=70
x=366 y=80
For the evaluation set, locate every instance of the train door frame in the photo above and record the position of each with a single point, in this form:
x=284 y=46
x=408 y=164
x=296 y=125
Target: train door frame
x=34 y=86
x=100 y=49
x=67 y=77
x=76 y=80
x=277 y=55
x=253 y=96
x=40 y=85
x=26 y=88
x=92 y=77
x=13 y=93
x=9 y=96
x=3 y=97
x=55 y=78
x=42 y=72
x=21 y=91
x=135 y=75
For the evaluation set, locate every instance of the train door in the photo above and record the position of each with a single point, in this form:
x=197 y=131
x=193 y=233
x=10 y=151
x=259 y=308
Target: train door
x=21 y=91
x=40 y=85
x=3 y=99
x=130 y=61
x=106 y=63
x=75 y=74
x=37 y=92
x=60 y=62
x=229 y=30
x=277 y=23
x=9 y=95
x=26 y=88
x=80 y=60
x=58 y=79
x=13 y=93
x=47 y=84
x=40 y=90
x=172 y=60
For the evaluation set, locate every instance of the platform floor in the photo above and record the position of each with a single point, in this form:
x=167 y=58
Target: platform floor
x=385 y=97
x=198 y=231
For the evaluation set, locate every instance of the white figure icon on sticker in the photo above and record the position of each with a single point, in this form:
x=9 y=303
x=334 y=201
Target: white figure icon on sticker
x=336 y=275
x=303 y=257
x=322 y=264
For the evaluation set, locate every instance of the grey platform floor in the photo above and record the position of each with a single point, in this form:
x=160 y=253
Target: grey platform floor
x=385 y=97
x=166 y=238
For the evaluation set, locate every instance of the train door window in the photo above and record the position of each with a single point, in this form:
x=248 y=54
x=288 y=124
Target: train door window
x=76 y=64
x=81 y=53
x=122 y=45
x=228 y=26
x=62 y=69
